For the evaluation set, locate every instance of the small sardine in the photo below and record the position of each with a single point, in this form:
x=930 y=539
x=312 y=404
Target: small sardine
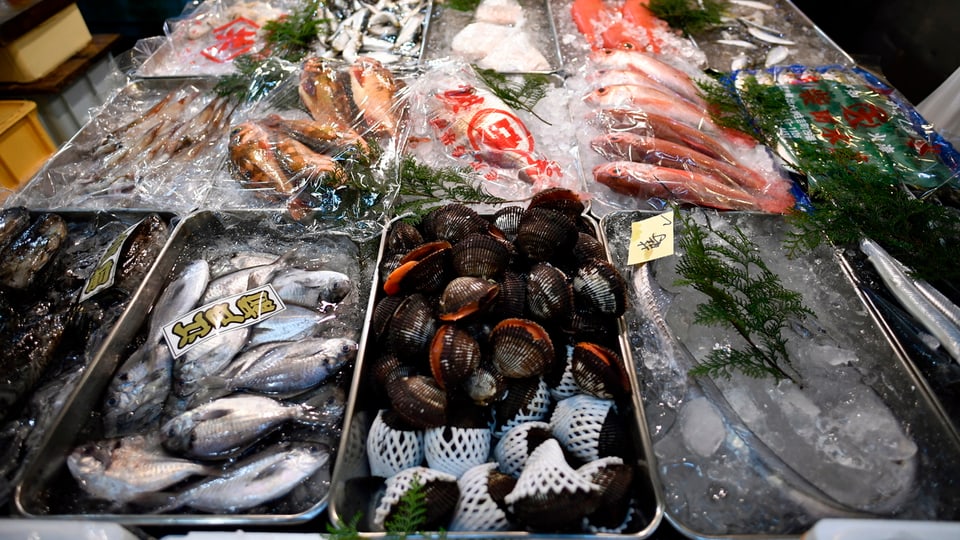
x=269 y=475
x=768 y=37
x=30 y=252
x=128 y=469
x=224 y=427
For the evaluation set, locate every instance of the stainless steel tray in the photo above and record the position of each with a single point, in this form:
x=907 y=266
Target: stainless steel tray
x=744 y=492
x=352 y=491
x=50 y=491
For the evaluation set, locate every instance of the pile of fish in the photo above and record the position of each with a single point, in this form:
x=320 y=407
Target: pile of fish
x=657 y=139
x=204 y=412
x=304 y=163
x=51 y=328
x=492 y=362
x=390 y=31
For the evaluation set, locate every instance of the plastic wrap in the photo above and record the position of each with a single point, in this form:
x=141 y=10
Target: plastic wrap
x=52 y=328
x=457 y=121
x=390 y=31
x=152 y=145
x=323 y=145
x=841 y=107
x=508 y=36
x=648 y=138
x=296 y=285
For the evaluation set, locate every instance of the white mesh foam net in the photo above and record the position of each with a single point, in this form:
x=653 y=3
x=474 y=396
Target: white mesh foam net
x=398 y=484
x=567 y=387
x=537 y=409
x=576 y=422
x=547 y=472
x=453 y=450
x=511 y=451
x=476 y=511
x=390 y=451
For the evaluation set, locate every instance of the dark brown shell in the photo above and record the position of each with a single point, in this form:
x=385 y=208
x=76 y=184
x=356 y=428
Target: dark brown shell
x=545 y=234
x=411 y=328
x=418 y=400
x=520 y=348
x=465 y=296
x=549 y=295
x=498 y=485
x=588 y=247
x=453 y=222
x=454 y=355
x=600 y=284
x=589 y=324
x=507 y=219
x=485 y=385
x=382 y=314
x=615 y=479
x=512 y=300
x=440 y=496
x=387 y=367
x=526 y=400
x=402 y=237
x=562 y=200
x=423 y=269
x=480 y=255
x=589 y=427
x=599 y=371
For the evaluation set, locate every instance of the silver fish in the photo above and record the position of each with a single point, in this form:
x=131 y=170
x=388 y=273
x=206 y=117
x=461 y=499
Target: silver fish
x=751 y=4
x=291 y=368
x=291 y=324
x=204 y=360
x=776 y=55
x=237 y=282
x=28 y=253
x=226 y=426
x=912 y=299
x=269 y=475
x=768 y=37
x=308 y=287
x=129 y=469
x=179 y=296
x=136 y=394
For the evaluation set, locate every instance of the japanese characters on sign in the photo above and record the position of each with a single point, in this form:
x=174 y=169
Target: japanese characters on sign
x=105 y=273
x=231 y=40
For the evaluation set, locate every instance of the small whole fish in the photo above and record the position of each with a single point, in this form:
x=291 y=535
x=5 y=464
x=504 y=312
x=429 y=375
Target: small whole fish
x=224 y=427
x=374 y=91
x=670 y=77
x=291 y=324
x=268 y=475
x=290 y=368
x=129 y=469
x=324 y=94
x=29 y=252
x=309 y=287
x=140 y=251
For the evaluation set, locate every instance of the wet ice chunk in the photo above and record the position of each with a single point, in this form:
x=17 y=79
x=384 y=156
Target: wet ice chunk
x=702 y=428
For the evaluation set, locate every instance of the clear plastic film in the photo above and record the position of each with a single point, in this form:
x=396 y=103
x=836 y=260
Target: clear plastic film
x=323 y=146
x=850 y=108
x=152 y=145
x=648 y=139
x=456 y=120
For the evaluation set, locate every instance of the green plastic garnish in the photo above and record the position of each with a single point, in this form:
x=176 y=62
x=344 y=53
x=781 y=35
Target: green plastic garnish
x=688 y=16
x=422 y=187
x=523 y=92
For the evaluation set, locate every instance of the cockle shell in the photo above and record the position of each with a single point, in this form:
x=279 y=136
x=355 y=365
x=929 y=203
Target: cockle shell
x=562 y=200
x=507 y=219
x=480 y=255
x=441 y=492
x=615 y=479
x=485 y=385
x=587 y=248
x=526 y=400
x=411 y=328
x=424 y=268
x=418 y=400
x=454 y=355
x=513 y=449
x=588 y=427
x=392 y=446
x=544 y=234
x=453 y=222
x=402 y=237
x=465 y=296
x=600 y=284
x=512 y=299
x=599 y=371
x=549 y=294
x=520 y=348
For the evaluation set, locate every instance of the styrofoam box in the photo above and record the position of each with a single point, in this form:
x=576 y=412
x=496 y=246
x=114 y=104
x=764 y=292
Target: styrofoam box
x=39 y=51
x=40 y=529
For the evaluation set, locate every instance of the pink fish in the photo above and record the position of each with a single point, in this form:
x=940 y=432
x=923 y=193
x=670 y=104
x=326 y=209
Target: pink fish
x=665 y=74
x=645 y=123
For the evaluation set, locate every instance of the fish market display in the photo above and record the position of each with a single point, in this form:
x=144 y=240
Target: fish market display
x=852 y=435
x=493 y=377
x=324 y=161
x=503 y=35
x=234 y=383
x=151 y=146
x=650 y=139
x=66 y=278
x=848 y=108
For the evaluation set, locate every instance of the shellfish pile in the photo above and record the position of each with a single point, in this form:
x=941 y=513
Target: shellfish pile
x=494 y=368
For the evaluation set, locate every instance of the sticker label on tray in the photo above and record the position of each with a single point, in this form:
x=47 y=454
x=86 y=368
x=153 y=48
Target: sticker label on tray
x=233 y=39
x=223 y=315
x=651 y=238
x=105 y=273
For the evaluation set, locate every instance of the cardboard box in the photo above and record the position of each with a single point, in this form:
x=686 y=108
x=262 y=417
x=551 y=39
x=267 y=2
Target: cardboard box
x=39 y=51
x=24 y=144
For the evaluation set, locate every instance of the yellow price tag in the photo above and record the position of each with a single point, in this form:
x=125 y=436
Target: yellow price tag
x=651 y=238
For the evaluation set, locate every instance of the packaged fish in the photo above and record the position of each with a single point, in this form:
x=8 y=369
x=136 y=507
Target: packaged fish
x=493 y=388
x=649 y=138
x=322 y=144
x=507 y=36
x=65 y=279
x=221 y=395
x=777 y=398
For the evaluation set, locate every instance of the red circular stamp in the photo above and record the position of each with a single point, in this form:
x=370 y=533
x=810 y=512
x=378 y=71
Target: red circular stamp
x=498 y=129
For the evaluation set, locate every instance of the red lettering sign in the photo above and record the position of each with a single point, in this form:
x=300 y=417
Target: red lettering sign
x=233 y=39
x=815 y=96
x=864 y=114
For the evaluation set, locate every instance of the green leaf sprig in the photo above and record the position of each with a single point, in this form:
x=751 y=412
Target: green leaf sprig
x=462 y=5
x=422 y=187
x=688 y=16
x=410 y=514
x=291 y=36
x=743 y=294
x=345 y=530
x=523 y=92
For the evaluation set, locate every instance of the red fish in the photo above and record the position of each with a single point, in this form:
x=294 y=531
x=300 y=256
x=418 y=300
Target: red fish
x=646 y=123
x=604 y=26
x=665 y=74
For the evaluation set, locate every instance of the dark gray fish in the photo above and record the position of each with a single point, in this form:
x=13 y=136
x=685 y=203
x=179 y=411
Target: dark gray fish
x=24 y=361
x=31 y=251
x=267 y=476
x=224 y=427
x=140 y=251
x=129 y=469
x=13 y=221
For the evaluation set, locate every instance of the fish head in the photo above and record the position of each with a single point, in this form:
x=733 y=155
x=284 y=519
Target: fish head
x=339 y=351
x=177 y=434
x=89 y=459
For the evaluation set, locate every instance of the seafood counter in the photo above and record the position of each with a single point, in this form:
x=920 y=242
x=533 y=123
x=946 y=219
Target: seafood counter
x=633 y=268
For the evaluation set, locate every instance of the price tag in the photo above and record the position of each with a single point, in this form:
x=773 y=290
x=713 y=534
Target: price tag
x=651 y=238
x=105 y=274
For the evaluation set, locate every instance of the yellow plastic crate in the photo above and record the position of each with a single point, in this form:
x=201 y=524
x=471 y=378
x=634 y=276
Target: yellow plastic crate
x=24 y=144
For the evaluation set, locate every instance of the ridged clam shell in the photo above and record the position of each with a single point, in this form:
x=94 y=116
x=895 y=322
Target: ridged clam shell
x=601 y=285
x=418 y=400
x=549 y=494
x=588 y=427
x=549 y=294
x=425 y=269
x=453 y=222
x=599 y=371
x=440 y=489
x=402 y=237
x=562 y=200
x=465 y=296
x=520 y=348
x=382 y=314
x=562 y=385
x=587 y=248
x=544 y=234
x=517 y=443
x=526 y=400
x=512 y=300
x=388 y=367
x=454 y=449
x=411 y=328
x=480 y=255
x=482 y=489
x=485 y=385
x=507 y=219
x=454 y=355
x=391 y=449
x=588 y=323
x=615 y=479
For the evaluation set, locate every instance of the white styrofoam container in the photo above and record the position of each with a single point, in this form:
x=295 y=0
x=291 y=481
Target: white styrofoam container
x=43 y=529
x=882 y=529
